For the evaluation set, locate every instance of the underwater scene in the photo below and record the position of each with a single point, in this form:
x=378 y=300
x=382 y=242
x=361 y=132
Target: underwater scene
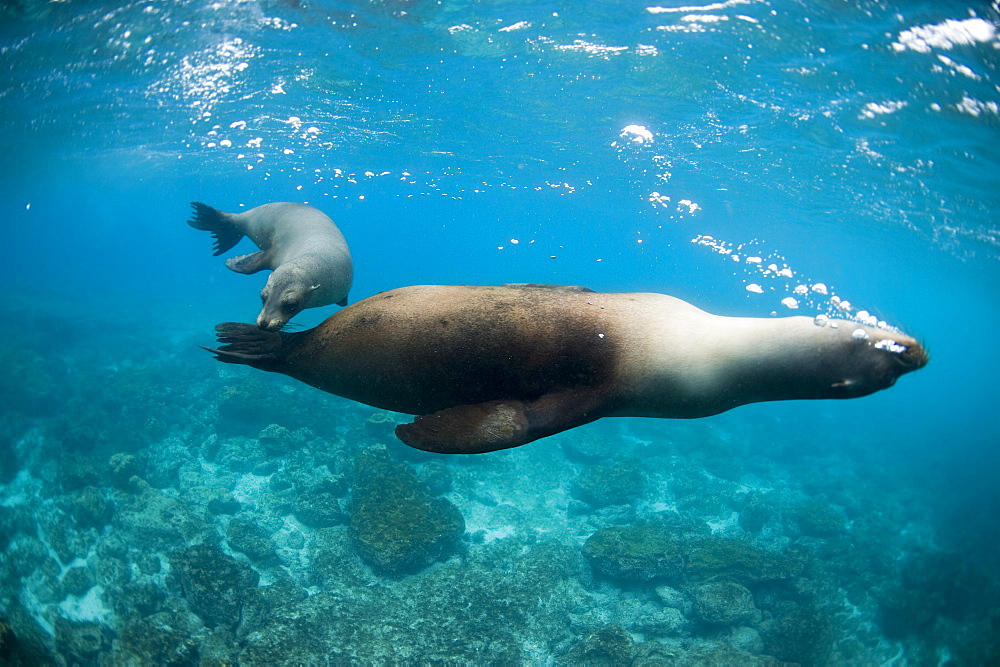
x=527 y=475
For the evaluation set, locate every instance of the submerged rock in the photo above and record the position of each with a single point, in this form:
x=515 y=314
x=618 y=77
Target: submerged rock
x=672 y=549
x=81 y=642
x=397 y=525
x=214 y=584
x=277 y=440
x=724 y=603
x=157 y=521
x=650 y=549
x=509 y=605
x=588 y=448
x=800 y=634
x=726 y=656
x=318 y=507
x=89 y=508
x=609 y=645
x=165 y=638
x=437 y=476
x=818 y=519
x=617 y=484
x=754 y=516
x=122 y=467
x=247 y=537
x=715 y=558
x=77 y=581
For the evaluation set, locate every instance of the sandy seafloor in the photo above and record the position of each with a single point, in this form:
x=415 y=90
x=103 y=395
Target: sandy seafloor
x=157 y=507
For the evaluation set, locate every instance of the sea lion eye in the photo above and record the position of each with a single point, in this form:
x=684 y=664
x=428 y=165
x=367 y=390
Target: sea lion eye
x=290 y=306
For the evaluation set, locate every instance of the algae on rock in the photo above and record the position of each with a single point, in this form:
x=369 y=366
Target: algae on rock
x=397 y=525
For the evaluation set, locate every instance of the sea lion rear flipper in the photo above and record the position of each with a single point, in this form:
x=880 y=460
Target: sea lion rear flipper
x=250 y=263
x=250 y=345
x=487 y=427
x=218 y=222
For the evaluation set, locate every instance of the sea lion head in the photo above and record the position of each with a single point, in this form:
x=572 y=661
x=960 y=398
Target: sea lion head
x=284 y=296
x=868 y=359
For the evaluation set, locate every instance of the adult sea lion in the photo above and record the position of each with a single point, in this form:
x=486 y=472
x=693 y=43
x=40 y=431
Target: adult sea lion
x=489 y=368
x=308 y=255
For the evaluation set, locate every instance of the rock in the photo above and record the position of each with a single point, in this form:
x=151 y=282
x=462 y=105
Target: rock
x=25 y=554
x=725 y=656
x=671 y=597
x=14 y=520
x=745 y=638
x=77 y=581
x=248 y=538
x=156 y=521
x=609 y=645
x=587 y=448
x=7 y=640
x=318 y=507
x=67 y=541
x=135 y=598
x=90 y=509
x=80 y=642
x=245 y=408
x=714 y=558
x=75 y=475
x=165 y=638
x=647 y=550
x=396 y=524
x=724 y=603
x=22 y=640
x=818 y=519
x=277 y=440
x=282 y=591
x=165 y=463
x=224 y=503
x=122 y=467
x=754 y=515
x=617 y=484
x=43 y=584
x=240 y=455
x=437 y=476
x=214 y=584
x=800 y=634
x=511 y=594
x=668 y=621
x=651 y=653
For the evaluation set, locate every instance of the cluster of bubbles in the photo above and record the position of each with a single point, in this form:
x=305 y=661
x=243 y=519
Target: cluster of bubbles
x=636 y=141
x=798 y=293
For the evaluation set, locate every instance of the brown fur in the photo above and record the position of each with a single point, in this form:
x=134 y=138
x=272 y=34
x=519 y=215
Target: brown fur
x=495 y=367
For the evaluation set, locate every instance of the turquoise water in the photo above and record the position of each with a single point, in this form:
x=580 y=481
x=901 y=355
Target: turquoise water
x=620 y=146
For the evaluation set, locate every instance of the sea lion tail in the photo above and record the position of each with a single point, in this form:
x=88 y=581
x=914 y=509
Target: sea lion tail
x=247 y=344
x=220 y=223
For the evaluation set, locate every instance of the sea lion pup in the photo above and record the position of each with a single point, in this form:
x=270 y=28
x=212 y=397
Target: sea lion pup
x=489 y=368
x=308 y=255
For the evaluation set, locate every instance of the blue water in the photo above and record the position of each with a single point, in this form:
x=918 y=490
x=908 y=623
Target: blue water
x=855 y=143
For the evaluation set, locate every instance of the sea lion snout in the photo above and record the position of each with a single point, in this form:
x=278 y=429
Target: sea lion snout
x=275 y=316
x=904 y=355
x=269 y=324
x=914 y=357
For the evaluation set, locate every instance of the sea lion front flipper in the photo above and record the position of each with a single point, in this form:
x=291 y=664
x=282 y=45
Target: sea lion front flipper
x=250 y=263
x=487 y=427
